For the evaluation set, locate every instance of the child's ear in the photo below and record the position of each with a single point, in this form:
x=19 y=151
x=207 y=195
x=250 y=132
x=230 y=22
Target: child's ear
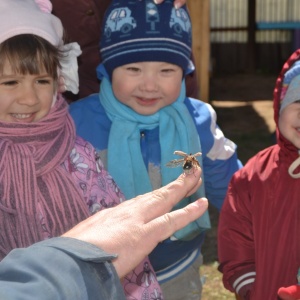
x=61 y=87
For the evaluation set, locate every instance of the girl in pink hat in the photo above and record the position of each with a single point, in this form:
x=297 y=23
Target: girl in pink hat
x=50 y=179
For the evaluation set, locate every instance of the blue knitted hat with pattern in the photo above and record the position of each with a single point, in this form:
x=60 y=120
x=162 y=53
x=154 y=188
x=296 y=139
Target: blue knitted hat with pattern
x=136 y=31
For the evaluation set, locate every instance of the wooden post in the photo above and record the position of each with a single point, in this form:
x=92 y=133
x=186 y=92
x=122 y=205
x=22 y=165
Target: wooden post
x=251 y=36
x=199 y=12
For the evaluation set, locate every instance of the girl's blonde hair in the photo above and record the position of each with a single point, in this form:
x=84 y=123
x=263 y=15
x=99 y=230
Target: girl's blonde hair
x=30 y=54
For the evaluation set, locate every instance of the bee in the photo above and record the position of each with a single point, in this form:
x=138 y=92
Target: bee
x=188 y=162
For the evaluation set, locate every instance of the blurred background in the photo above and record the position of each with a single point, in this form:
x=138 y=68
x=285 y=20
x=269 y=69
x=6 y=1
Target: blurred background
x=242 y=37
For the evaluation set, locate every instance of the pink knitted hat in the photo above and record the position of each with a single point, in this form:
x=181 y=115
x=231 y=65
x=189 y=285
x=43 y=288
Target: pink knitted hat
x=29 y=17
x=34 y=17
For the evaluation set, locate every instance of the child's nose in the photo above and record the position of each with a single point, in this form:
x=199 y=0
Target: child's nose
x=149 y=84
x=28 y=97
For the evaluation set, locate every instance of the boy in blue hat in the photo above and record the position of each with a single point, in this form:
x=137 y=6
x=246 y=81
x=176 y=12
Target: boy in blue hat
x=141 y=116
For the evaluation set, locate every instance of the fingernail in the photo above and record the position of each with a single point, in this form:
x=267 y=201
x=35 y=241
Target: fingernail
x=201 y=202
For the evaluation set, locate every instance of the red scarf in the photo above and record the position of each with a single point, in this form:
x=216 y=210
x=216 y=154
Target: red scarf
x=33 y=181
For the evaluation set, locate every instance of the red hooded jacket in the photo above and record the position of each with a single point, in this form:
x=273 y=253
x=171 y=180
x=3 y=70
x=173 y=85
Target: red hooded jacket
x=258 y=243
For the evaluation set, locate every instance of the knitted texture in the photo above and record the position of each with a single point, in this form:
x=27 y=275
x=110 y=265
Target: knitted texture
x=137 y=31
x=29 y=17
x=32 y=179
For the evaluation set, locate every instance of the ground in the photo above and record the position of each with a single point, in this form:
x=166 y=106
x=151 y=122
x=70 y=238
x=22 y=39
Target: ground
x=242 y=87
x=244 y=109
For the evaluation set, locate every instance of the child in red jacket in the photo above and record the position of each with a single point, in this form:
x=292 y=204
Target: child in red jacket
x=259 y=220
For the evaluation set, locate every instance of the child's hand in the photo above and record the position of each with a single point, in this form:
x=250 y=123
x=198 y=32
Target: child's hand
x=289 y=293
x=177 y=3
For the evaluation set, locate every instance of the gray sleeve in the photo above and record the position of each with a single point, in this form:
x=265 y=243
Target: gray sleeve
x=59 y=268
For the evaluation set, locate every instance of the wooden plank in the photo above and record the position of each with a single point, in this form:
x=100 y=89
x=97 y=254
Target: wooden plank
x=277 y=25
x=251 y=40
x=199 y=12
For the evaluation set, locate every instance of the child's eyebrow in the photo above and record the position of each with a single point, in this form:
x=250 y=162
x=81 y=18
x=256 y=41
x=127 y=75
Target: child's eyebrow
x=3 y=75
x=13 y=75
x=43 y=75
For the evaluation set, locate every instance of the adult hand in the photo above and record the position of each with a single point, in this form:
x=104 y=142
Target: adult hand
x=133 y=229
x=177 y=3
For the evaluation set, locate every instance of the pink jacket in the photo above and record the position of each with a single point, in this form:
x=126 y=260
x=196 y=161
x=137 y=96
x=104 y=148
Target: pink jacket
x=99 y=192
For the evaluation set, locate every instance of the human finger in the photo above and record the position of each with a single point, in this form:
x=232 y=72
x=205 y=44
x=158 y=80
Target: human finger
x=127 y=229
x=177 y=3
x=164 y=199
x=155 y=231
x=163 y=227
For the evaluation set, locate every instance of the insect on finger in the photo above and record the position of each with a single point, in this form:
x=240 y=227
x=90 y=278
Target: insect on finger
x=189 y=163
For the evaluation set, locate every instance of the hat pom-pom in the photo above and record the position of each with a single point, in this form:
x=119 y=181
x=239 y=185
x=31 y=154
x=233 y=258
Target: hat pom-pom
x=44 y=5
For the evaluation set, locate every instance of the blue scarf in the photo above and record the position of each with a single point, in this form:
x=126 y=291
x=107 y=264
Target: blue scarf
x=125 y=163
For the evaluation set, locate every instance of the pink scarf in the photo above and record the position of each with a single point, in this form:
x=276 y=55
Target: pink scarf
x=33 y=184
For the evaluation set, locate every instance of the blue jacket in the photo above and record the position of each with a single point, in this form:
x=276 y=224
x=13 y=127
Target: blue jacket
x=59 y=268
x=219 y=163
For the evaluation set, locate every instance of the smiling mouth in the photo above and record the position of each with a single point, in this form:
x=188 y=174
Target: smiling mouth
x=21 y=116
x=147 y=101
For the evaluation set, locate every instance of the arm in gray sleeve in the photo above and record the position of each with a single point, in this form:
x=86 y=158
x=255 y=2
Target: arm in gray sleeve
x=59 y=268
